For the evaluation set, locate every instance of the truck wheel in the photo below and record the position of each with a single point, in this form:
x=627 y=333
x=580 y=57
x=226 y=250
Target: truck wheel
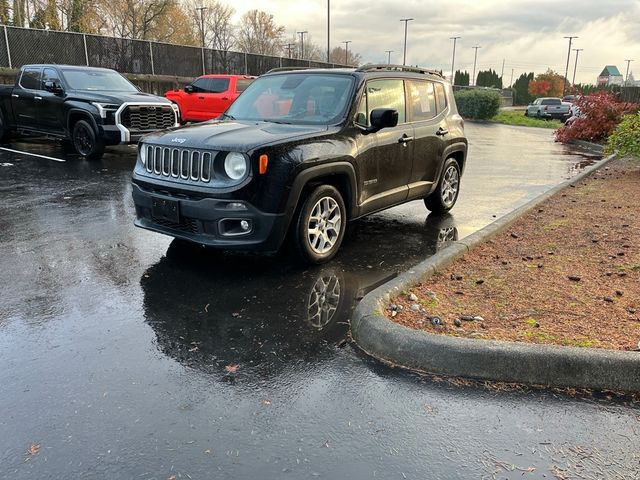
x=320 y=225
x=5 y=132
x=85 y=140
x=445 y=195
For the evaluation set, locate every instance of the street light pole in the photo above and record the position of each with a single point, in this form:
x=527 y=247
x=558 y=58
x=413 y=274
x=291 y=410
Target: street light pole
x=328 y=31
x=406 y=21
x=289 y=47
x=575 y=67
x=475 y=58
x=202 y=9
x=566 y=72
x=388 y=52
x=453 y=58
x=626 y=78
x=302 y=43
x=346 y=51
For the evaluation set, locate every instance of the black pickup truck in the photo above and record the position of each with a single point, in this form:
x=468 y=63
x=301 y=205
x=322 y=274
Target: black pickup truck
x=87 y=107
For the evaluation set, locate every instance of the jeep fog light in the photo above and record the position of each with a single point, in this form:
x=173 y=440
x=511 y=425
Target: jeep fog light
x=245 y=225
x=235 y=165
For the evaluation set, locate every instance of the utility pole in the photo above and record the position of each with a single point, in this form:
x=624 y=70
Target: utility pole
x=502 y=72
x=406 y=21
x=626 y=78
x=453 y=58
x=289 y=47
x=302 y=43
x=575 y=67
x=328 y=31
x=346 y=51
x=566 y=72
x=511 y=83
x=475 y=58
x=202 y=9
x=388 y=52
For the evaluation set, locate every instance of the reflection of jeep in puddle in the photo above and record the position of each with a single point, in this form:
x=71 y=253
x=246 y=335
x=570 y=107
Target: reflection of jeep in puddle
x=209 y=309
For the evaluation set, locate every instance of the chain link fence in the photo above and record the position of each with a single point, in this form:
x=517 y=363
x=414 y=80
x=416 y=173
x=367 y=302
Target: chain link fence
x=19 y=46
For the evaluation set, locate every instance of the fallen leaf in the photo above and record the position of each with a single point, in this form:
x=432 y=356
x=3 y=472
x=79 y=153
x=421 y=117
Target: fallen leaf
x=33 y=449
x=232 y=368
x=325 y=444
x=172 y=477
x=207 y=451
x=266 y=402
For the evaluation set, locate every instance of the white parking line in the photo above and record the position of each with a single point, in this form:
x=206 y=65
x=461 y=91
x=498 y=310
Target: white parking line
x=32 y=154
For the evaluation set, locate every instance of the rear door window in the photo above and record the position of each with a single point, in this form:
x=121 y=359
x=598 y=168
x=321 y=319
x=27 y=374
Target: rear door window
x=31 y=78
x=422 y=100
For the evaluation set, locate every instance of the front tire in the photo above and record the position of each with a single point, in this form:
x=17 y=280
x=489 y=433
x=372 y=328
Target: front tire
x=445 y=195
x=320 y=225
x=86 y=141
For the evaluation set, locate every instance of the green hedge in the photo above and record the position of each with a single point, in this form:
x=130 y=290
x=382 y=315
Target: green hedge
x=477 y=104
x=625 y=139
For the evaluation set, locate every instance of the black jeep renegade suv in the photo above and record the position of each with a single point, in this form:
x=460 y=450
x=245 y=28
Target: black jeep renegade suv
x=303 y=152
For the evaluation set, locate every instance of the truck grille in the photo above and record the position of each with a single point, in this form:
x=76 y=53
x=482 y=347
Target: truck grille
x=181 y=163
x=147 y=118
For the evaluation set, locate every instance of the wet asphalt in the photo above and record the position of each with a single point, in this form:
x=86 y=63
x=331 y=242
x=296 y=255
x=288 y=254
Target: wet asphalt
x=126 y=355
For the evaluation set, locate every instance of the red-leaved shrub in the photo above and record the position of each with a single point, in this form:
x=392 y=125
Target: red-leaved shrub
x=600 y=112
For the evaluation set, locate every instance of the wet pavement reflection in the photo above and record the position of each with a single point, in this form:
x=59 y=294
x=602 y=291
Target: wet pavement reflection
x=126 y=354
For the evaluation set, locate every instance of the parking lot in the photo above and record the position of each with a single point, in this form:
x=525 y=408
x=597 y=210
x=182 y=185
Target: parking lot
x=126 y=355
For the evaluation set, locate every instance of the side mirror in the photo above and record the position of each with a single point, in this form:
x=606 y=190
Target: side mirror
x=383 y=118
x=189 y=89
x=53 y=87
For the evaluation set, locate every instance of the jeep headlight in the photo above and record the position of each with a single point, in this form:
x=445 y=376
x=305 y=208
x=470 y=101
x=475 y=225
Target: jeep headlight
x=235 y=165
x=142 y=154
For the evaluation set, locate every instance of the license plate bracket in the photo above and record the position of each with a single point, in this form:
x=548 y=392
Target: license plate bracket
x=165 y=209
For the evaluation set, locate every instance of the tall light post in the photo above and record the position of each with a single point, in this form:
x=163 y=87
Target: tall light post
x=626 y=78
x=302 y=43
x=566 y=72
x=346 y=51
x=388 y=52
x=406 y=21
x=453 y=58
x=202 y=9
x=575 y=67
x=328 y=31
x=475 y=59
x=289 y=47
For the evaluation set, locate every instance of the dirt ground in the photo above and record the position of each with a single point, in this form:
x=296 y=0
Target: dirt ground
x=567 y=273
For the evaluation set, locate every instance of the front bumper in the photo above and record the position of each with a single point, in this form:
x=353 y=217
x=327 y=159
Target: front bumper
x=207 y=221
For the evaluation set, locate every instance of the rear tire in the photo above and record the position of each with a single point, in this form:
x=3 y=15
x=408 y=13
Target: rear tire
x=86 y=141
x=5 y=132
x=320 y=225
x=445 y=195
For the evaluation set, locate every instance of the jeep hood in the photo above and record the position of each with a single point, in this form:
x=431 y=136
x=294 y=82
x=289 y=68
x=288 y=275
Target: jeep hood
x=239 y=136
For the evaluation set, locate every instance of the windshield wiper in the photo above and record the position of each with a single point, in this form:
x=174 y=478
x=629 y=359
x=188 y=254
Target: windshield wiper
x=225 y=115
x=272 y=120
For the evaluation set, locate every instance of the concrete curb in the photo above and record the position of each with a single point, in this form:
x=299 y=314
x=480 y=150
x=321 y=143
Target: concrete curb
x=545 y=365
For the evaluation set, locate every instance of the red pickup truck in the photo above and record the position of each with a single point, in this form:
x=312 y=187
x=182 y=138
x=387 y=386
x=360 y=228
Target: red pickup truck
x=208 y=96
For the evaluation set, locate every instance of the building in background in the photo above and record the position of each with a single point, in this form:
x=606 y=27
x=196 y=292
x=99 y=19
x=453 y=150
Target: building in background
x=610 y=76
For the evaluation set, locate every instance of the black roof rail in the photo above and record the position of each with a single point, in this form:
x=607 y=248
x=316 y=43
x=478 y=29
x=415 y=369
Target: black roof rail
x=372 y=67
x=284 y=69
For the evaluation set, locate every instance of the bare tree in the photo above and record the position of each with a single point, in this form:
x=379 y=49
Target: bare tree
x=258 y=33
x=338 y=56
x=135 y=19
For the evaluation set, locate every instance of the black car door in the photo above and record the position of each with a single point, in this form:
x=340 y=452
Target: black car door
x=384 y=157
x=50 y=112
x=428 y=118
x=25 y=98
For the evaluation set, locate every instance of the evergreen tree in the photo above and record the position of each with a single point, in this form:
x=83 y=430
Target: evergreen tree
x=461 y=78
x=520 y=89
x=489 y=78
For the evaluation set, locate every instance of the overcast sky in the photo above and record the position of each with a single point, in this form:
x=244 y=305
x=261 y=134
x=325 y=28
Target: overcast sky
x=527 y=34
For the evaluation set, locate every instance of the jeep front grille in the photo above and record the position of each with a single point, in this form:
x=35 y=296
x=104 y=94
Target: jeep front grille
x=181 y=163
x=147 y=118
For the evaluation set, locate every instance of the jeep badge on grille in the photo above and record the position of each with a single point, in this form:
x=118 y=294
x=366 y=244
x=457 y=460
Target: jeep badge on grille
x=178 y=140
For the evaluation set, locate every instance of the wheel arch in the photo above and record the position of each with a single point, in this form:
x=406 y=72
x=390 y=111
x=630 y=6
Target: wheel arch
x=76 y=115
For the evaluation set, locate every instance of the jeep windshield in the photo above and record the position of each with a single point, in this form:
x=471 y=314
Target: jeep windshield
x=97 y=80
x=295 y=98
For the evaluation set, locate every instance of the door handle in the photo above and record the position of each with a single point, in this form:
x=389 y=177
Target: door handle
x=37 y=98
x=441 y=132
x=15 y=95
x=405 y=139
x=225 y=98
